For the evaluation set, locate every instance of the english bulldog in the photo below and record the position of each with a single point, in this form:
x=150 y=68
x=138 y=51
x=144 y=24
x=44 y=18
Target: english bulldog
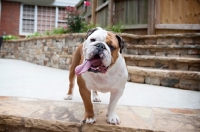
x=99 y=66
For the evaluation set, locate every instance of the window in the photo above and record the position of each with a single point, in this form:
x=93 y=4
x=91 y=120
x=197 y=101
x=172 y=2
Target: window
x=40 y=18
x=61 y=15
x=28 y=19
x=46 y=18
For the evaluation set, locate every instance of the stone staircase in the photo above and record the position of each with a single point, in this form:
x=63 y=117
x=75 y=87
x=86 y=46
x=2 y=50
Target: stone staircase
x=166 y=60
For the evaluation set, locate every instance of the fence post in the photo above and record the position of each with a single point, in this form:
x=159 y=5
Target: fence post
x=151 y=17
x=110 y=12
x=94 y=6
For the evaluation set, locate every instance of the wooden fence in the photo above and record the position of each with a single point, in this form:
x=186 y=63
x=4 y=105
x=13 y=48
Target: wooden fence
x=146 y=16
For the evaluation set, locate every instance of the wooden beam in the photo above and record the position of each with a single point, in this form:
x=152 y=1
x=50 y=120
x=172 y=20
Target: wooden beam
x=110 y=12
x=136 y=26
x=178 y=26
x=151 y=17
x=157 y=12
x=102 y=6
x=94 y=6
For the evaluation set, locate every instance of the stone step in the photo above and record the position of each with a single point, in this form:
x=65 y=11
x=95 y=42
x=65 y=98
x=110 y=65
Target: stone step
x=162 y=39
x=132 y=46
x=189 y=80
x=162 y=62
x=37 y=115
x=164 y=50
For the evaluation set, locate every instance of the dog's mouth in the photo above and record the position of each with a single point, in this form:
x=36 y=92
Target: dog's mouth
x=93 y=65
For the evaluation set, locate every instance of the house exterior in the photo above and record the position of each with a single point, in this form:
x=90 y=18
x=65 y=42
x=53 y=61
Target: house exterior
x=23 y=17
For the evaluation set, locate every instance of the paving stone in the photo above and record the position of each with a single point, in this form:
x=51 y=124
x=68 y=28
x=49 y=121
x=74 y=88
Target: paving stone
x=137 y=78
x=150 y=41
x=152 y=64
x=54 y=61
x=2 y=128
x=169 y=82
x=133 y=51
x=196 y=40
x=162 y=65
x=144 y=63
x=143 y=52
x=152 y=80
x=187 y=40
x=193 y=52
x=160 y=53
x=179 y=66
x=165 y=41
x=189 y=84
x=194 y=68
x=181 y=52
x=142 y=112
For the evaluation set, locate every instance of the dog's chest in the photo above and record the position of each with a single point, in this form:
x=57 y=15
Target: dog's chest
x=114 y=79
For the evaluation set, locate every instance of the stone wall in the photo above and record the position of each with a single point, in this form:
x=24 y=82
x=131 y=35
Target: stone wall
x=53 y=51
x=173 y=56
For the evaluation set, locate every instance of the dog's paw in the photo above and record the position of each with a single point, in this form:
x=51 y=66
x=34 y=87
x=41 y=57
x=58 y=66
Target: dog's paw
x=113 y=118
x=96 y=98
x=89 y=120
x=68 y=97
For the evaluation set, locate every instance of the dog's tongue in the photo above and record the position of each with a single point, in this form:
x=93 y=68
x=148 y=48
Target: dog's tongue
x=86 y=65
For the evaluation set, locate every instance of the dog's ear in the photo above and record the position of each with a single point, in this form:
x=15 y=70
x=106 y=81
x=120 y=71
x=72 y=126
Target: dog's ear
x=120 y=42
x=89 y=32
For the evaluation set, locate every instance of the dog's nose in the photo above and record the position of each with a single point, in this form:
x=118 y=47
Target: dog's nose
x=101 y=46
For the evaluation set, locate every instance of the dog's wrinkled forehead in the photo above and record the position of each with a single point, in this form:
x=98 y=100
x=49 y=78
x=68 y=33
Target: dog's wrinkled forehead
x=97 y=33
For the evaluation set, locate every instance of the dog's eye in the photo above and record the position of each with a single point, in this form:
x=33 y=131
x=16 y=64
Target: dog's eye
x=111 y=47
x=92 y=40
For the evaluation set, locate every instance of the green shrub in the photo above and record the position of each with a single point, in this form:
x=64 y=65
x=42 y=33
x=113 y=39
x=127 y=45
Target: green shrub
x=10 y=37
x=88 y=26
x=35 y=34
x=115 y=28
x=58 y=31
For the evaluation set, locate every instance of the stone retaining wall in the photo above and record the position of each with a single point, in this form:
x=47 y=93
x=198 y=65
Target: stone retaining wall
x=53 y=51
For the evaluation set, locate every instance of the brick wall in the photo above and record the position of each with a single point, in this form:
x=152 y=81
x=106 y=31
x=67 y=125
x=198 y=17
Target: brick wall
x=10 y=18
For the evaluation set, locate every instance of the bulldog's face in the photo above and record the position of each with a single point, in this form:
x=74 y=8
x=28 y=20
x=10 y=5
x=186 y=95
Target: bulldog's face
x=101 y=49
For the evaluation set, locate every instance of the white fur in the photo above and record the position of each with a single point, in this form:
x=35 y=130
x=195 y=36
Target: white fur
x=112 y=81
x=95 y=97
x=68 y=97
x=90 y=120
x=89 y=47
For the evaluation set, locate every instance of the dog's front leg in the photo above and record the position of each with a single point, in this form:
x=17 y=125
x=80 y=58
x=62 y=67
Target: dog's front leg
x=112 y=117
x=86 y=97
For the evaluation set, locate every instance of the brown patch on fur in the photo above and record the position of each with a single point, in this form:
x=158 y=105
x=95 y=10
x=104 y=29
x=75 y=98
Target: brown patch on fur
x=75 y=62
x=86 y=97
x=112 y=40
x=85 y=93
